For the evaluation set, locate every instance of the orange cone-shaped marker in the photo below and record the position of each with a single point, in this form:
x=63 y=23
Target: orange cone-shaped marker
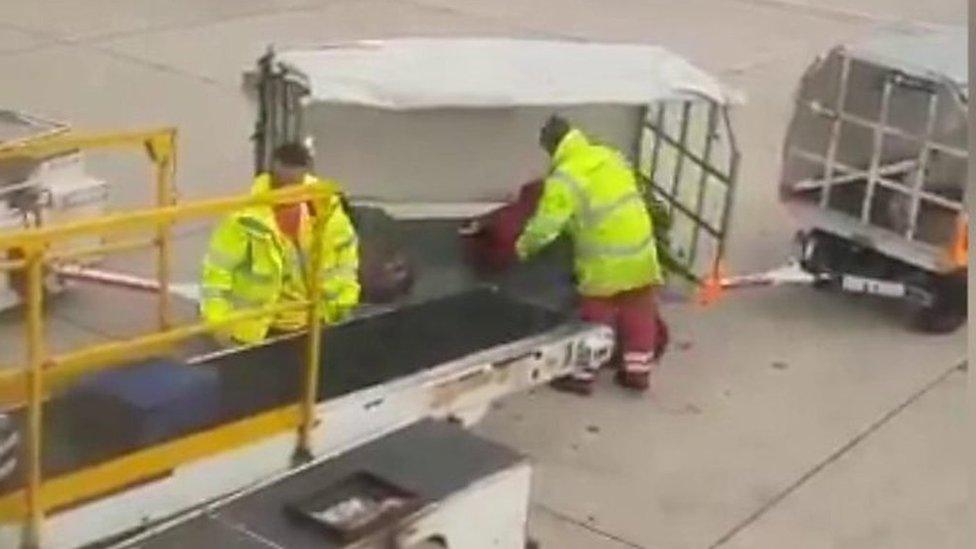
x=711 y=289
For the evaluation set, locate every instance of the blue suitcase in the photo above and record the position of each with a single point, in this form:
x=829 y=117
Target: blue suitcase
x=146 y=403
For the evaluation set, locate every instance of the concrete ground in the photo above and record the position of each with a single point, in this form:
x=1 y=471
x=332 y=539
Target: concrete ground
x=784 y=418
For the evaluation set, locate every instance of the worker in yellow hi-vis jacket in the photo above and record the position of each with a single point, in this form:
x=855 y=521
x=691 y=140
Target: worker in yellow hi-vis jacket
x=258 y=256
x=591 y=193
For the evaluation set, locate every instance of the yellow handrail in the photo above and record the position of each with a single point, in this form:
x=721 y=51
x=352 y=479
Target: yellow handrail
x=44 y=373
x=69 y=488
x=158 y=143
x=159 y=139
x=60 y=370
x=124 y=245
x=35 y=359
x=121 y=222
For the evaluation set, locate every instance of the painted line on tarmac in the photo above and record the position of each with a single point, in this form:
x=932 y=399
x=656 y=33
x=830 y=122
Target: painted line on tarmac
x=837 y=14
x=586 y=526
x=837 y=454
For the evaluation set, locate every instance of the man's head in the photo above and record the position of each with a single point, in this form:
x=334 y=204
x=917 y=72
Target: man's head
x=290 y=163
x=552 y=133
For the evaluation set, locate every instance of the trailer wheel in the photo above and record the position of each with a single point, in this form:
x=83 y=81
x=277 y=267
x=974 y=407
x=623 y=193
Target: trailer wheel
x=433 y=542
x=948 y=310
x=819 y=255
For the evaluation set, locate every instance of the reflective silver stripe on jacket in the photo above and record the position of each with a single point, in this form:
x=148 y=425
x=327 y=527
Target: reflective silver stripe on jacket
x=592 y=216
x=600 y=214
x=592 y=251
x=235 y=300
x=547 y=225
x=575 y=186
x=331 y=296
x=254 y=277
x=255 y=226
x=243 y=302
x=222 y=260
x=210 y=292
x=351 y=241
x=338 y=272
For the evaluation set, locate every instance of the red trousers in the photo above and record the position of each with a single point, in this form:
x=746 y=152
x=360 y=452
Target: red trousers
x=641 y=333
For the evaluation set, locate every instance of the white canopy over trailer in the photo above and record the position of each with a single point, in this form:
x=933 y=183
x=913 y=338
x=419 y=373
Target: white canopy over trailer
x=451 y=121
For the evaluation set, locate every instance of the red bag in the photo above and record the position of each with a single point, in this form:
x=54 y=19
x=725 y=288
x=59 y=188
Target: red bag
x=490 y=239
x=386 y=271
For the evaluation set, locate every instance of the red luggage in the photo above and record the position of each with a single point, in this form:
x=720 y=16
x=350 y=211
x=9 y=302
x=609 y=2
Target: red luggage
x=490 y=239
x=386 y=272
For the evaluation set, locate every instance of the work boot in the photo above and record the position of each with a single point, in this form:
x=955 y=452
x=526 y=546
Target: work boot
x=637 y=381
x=579 y=385
x=636 y=371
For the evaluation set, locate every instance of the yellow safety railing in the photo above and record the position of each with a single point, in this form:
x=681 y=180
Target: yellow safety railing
x=159 y=144
x=45 y=372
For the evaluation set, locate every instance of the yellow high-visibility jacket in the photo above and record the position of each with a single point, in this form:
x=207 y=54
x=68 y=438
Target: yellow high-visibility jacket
x=251 y=263
x=591 y=192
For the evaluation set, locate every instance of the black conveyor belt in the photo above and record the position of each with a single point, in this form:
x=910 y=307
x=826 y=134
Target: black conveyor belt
x=356 y=355
x=431 y=459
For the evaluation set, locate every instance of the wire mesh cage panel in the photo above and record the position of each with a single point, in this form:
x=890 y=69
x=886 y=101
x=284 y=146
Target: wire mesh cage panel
x=688 y=159
x=280 y=95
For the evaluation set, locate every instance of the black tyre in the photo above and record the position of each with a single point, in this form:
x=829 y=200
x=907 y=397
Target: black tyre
x=821 y=255
x=817 y=255
x=948 y=310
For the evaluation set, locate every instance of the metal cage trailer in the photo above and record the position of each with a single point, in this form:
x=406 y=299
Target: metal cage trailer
x=874 y=167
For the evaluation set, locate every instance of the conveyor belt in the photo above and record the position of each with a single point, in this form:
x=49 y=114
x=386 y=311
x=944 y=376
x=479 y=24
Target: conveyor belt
x=432 y=459
x=357 y=355
x=442 y=268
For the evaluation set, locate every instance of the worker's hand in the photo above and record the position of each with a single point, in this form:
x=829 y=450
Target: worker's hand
x=523 y=252
x=334 y=314
x=225 y=340
x=470 y=228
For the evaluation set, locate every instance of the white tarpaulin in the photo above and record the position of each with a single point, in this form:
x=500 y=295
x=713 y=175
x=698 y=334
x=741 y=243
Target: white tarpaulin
x=424 y=73
x=936 y=53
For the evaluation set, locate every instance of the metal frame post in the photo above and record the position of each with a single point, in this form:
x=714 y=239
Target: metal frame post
x=260 y=136
x=876 y=151
x=280 y=116
x=162 y=151
x=635 y=152
x=35 y=394
x=835 y=128
x=682 y=150
x=923 y=162
x=703 y=181
x=734 y=163
x=313 y=349
x=656 y=151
